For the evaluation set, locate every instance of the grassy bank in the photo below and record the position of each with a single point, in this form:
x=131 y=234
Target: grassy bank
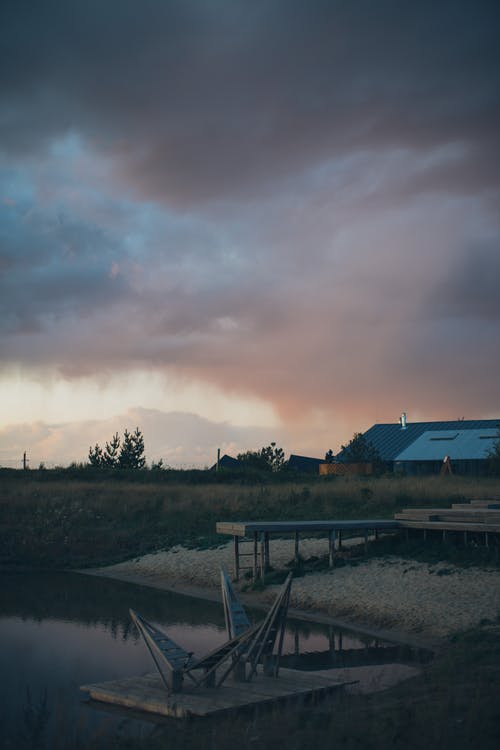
x=454 y=704
x=56 y=520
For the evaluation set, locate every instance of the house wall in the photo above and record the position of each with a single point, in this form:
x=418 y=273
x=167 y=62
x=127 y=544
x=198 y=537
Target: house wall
x=473 y=468
x=346 y=470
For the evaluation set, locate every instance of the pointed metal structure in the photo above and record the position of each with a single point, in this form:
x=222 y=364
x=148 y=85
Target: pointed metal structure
x=171 y=660
x=232 y=651
x=262 y=647
x=246 y=645
x=237 y=621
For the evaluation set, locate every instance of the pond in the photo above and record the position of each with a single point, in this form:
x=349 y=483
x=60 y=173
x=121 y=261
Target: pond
x=62 y=630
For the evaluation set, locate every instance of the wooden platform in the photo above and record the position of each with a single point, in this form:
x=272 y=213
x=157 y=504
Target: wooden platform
x=476 y=516
x=148 y=693
x=248 y=528
x=258 y=534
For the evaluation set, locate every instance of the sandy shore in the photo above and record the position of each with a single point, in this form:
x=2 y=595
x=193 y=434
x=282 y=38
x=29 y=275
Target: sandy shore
x=390 y=593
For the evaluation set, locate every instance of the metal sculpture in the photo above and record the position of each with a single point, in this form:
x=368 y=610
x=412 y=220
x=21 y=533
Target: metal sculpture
x=246 y=647
x=237 y=621
x=171 y=659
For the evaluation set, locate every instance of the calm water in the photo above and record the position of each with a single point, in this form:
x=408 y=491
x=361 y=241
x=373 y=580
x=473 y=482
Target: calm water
x=60 y=631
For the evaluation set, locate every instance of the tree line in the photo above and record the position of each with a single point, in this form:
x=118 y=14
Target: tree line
x=120 y=453
x=268 y=458
x=128 y=453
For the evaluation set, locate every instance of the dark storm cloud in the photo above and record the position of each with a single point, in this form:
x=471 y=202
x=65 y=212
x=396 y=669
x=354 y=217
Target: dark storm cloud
x=470 y=289
x=202 y=100
x=52 y=267
x=272 y=197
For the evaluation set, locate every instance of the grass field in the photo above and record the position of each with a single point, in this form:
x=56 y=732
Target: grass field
x=50 y=519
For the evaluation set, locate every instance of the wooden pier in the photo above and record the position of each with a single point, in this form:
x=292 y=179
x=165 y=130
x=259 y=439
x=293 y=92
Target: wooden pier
x=258 y=533
x=479 y=519
x=148 y=693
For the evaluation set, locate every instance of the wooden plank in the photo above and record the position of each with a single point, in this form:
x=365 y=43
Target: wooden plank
x=474 y=504
x=495 y=528
x=455 y=510
x=454 y=517
x=248 y=528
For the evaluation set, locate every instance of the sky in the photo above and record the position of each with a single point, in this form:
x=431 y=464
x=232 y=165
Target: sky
x=231 y=222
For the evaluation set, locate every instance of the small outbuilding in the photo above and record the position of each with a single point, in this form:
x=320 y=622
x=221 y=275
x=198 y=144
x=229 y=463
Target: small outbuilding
x=227 y=462
x=304 y=464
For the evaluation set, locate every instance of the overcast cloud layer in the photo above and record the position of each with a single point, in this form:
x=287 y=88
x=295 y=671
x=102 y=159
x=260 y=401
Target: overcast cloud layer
x=288 y=200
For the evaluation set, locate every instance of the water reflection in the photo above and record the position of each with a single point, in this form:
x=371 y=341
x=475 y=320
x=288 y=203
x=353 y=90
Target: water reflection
x=59 y=631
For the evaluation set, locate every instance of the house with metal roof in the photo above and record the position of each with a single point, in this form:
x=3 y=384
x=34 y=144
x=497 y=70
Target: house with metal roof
x=421 y=447
x=227 y=462
x=304 y=464
x=467 y=450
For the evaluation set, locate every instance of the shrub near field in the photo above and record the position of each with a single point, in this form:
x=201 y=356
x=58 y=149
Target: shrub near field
x=52 y=520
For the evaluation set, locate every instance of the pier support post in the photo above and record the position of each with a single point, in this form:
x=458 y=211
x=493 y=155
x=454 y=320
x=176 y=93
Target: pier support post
x=255 y=555
x=331 y=546
x=266 y=550
x=331 y=639
x=296 y=555
x=236 y=558
x=262 y=555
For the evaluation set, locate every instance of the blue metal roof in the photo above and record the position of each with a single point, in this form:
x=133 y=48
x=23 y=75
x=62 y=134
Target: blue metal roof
x=390 y=440
x=434 y=445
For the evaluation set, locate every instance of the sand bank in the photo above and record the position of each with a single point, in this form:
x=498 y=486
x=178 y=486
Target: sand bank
x=390 y=593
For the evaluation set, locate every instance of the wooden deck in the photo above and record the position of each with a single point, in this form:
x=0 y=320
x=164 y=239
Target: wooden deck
x=148 y=693
x=258 y=534
x=477 y=517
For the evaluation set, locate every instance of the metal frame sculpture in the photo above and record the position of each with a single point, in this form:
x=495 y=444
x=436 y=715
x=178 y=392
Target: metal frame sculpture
x=236 y=618
x=246 y=647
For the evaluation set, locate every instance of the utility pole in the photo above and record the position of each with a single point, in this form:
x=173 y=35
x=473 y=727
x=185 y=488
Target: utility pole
x=25 y=461
x=218 y=459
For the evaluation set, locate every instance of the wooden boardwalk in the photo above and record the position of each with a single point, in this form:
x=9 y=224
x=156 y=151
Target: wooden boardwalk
x=477 y=517
x=259 y=532
x=148 y=693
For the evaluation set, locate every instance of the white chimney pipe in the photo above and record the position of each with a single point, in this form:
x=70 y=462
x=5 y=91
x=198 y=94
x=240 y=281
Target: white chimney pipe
x=402 y=421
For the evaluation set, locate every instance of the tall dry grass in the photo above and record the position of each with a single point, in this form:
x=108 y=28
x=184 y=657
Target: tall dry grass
x=76 y=522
